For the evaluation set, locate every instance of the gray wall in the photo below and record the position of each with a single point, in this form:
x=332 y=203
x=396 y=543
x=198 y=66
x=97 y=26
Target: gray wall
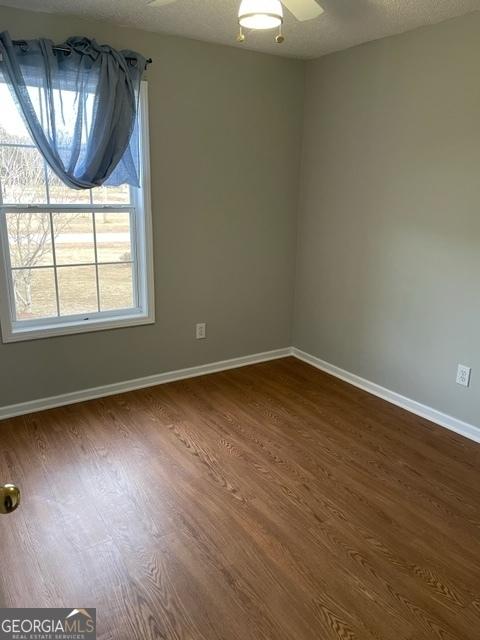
x=388 y=269
x=225 y=143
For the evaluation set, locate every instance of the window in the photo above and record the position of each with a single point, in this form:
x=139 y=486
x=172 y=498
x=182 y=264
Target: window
x=71 y=261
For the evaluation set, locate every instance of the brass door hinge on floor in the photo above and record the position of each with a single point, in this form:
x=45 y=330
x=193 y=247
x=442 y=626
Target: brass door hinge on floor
x=9 y=498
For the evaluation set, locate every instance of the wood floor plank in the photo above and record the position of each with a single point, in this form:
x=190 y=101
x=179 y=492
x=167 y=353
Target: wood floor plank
x=271 y=502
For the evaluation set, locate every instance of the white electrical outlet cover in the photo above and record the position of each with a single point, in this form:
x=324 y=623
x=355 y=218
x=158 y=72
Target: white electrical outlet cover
x=463 y=375
x=201 y=330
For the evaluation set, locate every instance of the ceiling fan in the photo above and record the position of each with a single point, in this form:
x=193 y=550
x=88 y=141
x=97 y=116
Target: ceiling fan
x=265 y=14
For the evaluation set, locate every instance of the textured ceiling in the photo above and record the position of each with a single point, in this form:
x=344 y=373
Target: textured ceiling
x=344 y=23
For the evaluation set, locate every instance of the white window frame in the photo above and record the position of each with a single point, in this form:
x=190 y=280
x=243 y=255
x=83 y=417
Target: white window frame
x=14 y=330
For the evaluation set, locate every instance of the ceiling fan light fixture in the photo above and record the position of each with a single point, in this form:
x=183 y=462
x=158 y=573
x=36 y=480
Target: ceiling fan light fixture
x=260 y=14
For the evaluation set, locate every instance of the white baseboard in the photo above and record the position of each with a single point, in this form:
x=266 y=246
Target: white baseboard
x=449 y=422
x=41 y=404
x=442 y=419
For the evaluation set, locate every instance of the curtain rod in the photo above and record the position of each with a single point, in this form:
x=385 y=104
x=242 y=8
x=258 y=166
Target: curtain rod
x=23 y=43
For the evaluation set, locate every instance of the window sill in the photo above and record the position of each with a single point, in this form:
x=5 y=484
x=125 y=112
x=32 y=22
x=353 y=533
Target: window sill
x=19 y=334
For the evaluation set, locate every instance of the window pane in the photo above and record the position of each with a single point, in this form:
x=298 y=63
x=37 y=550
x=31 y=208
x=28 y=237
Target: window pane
x=14 y=129
x=34 y=293
x=116 y=286
x=29 y=239
x=111 y=195
x=22 y=175
x=77 y=290
x=61 y=194
x=113 y=236
x=73 y=234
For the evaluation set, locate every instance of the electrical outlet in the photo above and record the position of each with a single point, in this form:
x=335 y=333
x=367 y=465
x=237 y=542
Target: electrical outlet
x=463 y=375
x=201 y=330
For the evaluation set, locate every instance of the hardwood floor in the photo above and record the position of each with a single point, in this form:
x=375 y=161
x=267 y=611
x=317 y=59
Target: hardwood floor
x=267 y=502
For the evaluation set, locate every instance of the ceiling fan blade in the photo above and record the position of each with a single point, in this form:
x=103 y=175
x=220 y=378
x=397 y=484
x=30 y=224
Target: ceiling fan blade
x=159 y=3
x=303 y=9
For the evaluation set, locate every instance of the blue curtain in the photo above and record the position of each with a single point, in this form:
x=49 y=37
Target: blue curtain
x=80 y=106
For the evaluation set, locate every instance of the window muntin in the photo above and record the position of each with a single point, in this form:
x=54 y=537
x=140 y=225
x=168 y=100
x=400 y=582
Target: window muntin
x=71 y=259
